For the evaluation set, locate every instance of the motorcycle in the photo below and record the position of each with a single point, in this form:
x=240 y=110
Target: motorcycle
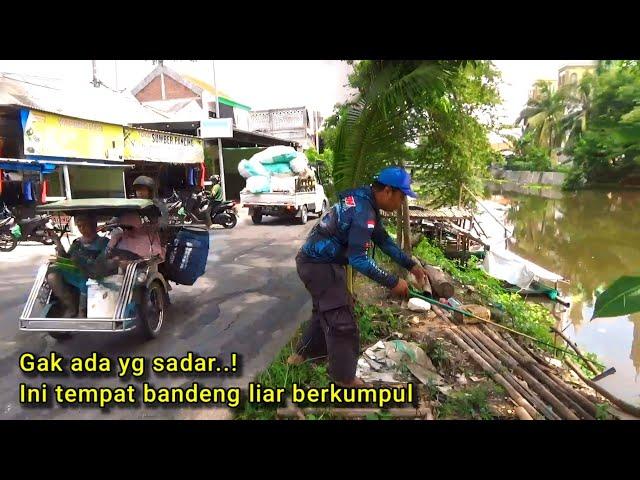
x=224 y=214
x=13 y=231
x=174 y=208
x=199 y=204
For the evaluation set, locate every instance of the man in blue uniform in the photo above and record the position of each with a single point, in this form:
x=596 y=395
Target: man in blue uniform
x=343 y=237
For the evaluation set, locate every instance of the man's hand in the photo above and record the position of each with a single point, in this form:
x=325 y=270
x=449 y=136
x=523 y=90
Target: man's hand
x=420 y=273
x=401 y=289
x=116 y=235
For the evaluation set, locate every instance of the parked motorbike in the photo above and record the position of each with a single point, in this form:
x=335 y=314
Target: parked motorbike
x=200 y=204
x=13 y=231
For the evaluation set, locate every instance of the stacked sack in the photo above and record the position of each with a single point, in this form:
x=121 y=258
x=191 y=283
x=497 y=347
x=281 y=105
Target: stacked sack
x=277 y=163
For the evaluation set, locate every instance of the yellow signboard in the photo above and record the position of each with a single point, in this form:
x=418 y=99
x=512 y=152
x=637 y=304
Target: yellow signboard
x=152 y=146
x=53 y=135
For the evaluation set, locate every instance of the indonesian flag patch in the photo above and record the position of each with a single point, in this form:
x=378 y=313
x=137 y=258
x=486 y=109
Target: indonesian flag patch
x=350 y=201
x=371 y=224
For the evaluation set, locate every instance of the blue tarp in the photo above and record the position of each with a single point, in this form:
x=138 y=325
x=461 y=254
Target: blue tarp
x=39 y=167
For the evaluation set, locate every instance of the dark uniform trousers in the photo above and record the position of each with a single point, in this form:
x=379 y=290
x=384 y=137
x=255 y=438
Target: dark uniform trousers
x=333 y=330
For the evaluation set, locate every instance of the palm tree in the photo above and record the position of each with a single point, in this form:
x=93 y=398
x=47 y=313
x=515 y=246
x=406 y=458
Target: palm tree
x=543 y=117
x=373 y=129
x=579 y=100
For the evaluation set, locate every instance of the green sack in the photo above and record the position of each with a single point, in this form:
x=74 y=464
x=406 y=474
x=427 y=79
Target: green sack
x=16 y=231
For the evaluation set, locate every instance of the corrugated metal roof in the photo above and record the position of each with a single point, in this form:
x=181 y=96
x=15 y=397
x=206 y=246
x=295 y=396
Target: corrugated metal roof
x=75 y=100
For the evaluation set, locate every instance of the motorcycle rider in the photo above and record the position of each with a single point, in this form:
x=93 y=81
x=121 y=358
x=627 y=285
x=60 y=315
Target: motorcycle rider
x=141 y=239
x=216 y=198
x=145 y=187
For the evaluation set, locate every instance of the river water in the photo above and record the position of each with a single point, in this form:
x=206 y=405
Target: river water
x=590 y=238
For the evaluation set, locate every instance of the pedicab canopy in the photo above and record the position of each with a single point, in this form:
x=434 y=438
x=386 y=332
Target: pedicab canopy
x=99 y=206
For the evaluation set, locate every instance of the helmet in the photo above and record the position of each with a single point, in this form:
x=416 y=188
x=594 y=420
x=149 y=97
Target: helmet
x=144 y=181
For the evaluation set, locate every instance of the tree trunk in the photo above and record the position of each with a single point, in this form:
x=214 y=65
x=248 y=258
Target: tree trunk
x=441 y=282
x=399 y=227
x=406 y=227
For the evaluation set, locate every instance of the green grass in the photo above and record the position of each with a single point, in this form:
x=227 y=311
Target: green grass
x=375 y=322
x=529 y=318
x=436 y=351
x=471 y=403
x=281 y=375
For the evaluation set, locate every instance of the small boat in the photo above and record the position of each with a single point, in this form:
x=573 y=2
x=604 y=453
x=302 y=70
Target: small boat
x=522 y=276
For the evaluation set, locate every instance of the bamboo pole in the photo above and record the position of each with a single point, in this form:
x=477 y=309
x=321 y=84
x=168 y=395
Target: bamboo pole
x=580 y=404
x=550 y=396
x=626 y=407
x=497 y=377
x=515 y=382
x=575 y=348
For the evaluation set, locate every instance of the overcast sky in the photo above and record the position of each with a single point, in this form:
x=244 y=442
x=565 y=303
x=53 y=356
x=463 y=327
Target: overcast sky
x=262 y=84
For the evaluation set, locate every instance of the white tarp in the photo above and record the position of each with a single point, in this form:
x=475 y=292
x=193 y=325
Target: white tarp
x=508 y=266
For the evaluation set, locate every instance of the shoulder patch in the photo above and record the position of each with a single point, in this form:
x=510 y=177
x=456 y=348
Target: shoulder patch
x=350 y=201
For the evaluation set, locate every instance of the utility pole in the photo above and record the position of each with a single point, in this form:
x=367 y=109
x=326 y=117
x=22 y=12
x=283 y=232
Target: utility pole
x=95 y=81
x=315 y=121
x=220 y=157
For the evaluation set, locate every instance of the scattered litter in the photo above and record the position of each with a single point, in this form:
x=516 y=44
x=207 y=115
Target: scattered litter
x=384 y=361
x=553 y=361
x=444 y=389
x=415 y=319
x=477 y=310
x=474 y=378
x=461 y=379
x=419 y=305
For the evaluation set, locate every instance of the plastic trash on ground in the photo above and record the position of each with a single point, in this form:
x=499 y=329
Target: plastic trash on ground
x=418 y=305
x=383 y=362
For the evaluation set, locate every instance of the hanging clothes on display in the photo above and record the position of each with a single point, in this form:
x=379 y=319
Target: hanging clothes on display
x=27 y=192
x=43 y=192
x=191 y=177
x=202 y=174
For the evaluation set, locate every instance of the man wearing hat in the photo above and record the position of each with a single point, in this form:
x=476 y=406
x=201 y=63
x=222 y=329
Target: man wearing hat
x=343 y=237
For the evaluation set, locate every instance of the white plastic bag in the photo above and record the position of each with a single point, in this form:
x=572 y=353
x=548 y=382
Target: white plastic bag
x=419 y=305
x=256 y=168
x=258 y=184
x=299 y=164
x=275 y=154
x=242 y=169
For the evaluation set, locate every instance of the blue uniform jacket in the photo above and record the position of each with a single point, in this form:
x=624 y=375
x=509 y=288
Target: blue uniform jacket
x=347 y=231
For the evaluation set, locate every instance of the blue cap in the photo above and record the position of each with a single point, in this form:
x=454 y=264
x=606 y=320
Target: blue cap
x=397 y=177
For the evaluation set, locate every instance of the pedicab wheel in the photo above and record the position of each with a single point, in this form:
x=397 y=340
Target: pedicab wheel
x=324 y=208
x=257 y=217
x=55 y=311
x=304 y=215
x=151 y=311
x=7 y=242
x=60 y=336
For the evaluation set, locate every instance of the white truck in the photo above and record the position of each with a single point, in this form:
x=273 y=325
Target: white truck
x=289 y=196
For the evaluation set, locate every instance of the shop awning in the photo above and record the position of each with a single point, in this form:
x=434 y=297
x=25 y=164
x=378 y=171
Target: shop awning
x=49 y=164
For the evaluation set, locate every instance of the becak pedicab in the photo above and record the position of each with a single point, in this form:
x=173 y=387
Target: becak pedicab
x=129 y=290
